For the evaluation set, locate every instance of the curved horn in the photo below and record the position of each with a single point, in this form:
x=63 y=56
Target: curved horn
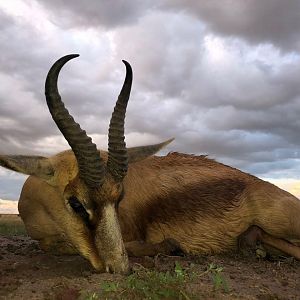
x=117 y=162
x=91 y=166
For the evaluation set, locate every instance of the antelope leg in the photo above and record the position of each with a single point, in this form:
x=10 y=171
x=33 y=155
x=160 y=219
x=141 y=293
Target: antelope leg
x=142 y=248
x=280 y=244
x=255 y=233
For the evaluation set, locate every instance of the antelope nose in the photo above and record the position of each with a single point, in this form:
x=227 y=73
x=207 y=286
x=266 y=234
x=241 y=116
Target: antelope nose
x=124 y=270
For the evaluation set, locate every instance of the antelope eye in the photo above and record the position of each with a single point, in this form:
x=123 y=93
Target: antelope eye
x=79 y=209
x=75 y=204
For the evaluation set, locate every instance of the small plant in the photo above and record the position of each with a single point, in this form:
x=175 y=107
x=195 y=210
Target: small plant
x=109 y=286
x=152 y=284
x=218 y=278
x=179 y=272
x=93 y=296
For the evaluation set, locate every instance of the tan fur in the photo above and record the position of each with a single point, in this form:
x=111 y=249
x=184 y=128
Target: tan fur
x=202 y=204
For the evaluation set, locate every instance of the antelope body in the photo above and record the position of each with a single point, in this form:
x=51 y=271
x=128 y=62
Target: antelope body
x=102 y=204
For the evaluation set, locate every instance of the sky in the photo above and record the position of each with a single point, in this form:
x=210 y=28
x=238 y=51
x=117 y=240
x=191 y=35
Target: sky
x=222 y=77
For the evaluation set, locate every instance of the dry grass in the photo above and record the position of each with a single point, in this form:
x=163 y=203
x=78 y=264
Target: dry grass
x=11 y=225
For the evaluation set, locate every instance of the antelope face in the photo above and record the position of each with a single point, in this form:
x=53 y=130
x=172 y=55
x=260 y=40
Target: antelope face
x=78 y=192
x=108 y=238
x=95 y=210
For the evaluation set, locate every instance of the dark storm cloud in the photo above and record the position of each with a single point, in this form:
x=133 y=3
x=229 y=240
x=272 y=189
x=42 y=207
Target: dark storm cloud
x=23 y=49
x=105 y=13
x=257 y=21
x=26 y=56
x=23 y=56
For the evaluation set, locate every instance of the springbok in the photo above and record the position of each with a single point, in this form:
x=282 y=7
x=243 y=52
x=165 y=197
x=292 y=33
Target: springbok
x=104 y=205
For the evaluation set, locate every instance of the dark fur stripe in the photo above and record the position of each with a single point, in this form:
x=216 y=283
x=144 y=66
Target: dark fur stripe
x=191 y=201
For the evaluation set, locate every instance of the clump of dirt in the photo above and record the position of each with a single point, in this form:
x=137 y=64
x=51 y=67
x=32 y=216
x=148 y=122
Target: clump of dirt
x=28 y=273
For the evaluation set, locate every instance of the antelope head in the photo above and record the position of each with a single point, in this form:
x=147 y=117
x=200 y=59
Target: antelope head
x=78 y=191
x=98 y=185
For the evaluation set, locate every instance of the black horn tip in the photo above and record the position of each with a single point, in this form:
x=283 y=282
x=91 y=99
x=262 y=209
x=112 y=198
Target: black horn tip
x=127 y=65
x=60 y=62
x=73 y=55
x=68 y=57
x=126 y=62
x=51 y=80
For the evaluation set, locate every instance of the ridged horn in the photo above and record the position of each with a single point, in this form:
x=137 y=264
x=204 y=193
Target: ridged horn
x=91 y=166
x=117 y=161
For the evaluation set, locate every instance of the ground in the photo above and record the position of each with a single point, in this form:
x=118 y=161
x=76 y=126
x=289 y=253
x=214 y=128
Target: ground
x=26 y=272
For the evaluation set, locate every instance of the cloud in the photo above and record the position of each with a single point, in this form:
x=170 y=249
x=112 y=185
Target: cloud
x=10 y=184
x=97 y=13
x=8 y=207
x=269 y=21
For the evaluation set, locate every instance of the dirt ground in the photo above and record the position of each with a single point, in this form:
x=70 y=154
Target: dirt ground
x=26 y=272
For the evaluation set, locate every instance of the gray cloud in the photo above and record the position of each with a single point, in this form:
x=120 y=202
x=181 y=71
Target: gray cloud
x=97 y=13
x=10 y=184
x=257 y=21
x=267 y=21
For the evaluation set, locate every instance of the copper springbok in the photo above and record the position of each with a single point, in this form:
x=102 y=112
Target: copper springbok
x=104 y=205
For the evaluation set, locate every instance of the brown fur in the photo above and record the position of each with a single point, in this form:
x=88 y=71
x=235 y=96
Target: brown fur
x=202 y=204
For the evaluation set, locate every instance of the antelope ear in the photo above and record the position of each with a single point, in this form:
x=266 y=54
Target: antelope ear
x=142 y=152
x=30 y=165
